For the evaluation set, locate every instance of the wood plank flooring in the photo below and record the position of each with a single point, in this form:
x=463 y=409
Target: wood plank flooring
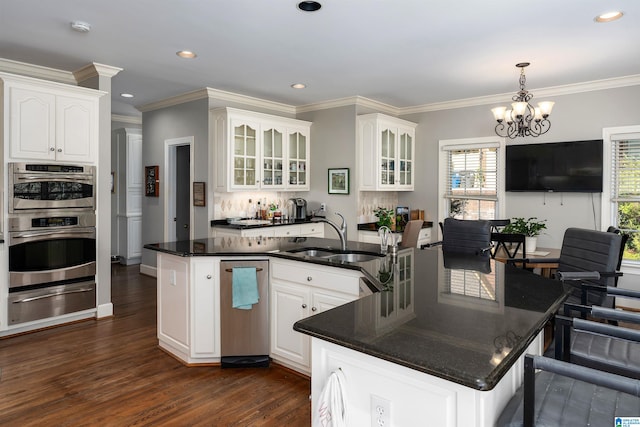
x=111 y=373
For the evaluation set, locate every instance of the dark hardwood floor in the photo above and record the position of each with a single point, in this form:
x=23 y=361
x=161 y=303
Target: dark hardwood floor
x=111 y=373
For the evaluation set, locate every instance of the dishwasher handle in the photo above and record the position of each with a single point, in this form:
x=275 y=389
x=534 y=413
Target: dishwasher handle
x=230 y=270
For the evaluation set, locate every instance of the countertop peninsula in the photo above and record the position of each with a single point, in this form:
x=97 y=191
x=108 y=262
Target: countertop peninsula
x=454 y=320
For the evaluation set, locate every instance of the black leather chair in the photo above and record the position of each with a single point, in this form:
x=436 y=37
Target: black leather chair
x=564 y=394
x=466 y=236
x=509 y=244
x=586 y=250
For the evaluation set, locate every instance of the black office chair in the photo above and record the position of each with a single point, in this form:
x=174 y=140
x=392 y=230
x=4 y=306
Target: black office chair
x=466 y=236
x=564 y=394
x=586 y=250
x=509 y=244
x=598 y=345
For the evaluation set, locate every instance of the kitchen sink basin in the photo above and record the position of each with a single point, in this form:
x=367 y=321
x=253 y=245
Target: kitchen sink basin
x=353 y=257
x=336 y=255
x=315 y=253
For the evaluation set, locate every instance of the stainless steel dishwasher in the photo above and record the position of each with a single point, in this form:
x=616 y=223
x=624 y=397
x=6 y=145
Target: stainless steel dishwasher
x=244 y=336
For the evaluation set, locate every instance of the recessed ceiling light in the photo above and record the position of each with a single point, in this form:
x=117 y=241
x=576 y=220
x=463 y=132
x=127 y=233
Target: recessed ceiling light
x=186 y=54
x=126 y=95
x=298 y=85
x=309 y=6
x=609 y=16
x=81 y=27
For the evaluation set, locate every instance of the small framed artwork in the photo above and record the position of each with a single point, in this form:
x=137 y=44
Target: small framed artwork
x=199 y=198
x=339 y=181
x=151 y=181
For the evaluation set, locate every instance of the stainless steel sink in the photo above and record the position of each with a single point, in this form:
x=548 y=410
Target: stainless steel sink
x=336 y=255
x=353 y=257
x=318 y=253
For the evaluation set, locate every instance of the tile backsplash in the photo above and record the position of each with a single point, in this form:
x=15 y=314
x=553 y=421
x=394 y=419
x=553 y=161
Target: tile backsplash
x=371 y=200
x=234 y=205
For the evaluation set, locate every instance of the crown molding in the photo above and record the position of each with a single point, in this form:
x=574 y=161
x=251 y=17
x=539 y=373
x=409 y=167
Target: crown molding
x=95 y=70
x=174 y=100
x=37 y=71
x=613 y=83
x=134 y=120
x=358 y=101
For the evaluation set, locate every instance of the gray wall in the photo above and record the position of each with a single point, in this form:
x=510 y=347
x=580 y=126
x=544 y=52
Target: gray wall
x=188 y=119
x=575 y=117
x=333 y=136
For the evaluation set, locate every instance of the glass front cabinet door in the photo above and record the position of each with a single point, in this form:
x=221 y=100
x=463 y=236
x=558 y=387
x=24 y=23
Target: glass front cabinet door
x=298 y=160
x=273 y=160
x=385 y=148
x=245 y=155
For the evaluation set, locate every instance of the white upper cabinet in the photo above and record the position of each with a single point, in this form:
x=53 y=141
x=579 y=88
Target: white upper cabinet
x=50 y=121
x=255 y=151
x=385 y=153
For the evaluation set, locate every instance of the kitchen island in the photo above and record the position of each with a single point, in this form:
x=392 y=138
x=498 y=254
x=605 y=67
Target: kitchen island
x=439 y=344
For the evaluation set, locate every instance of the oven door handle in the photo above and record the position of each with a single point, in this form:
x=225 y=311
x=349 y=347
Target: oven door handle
x=54 y=294
x=68 y=232
x=84 y=178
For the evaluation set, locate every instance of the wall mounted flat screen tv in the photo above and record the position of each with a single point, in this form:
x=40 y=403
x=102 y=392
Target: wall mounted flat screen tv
x=555 y=167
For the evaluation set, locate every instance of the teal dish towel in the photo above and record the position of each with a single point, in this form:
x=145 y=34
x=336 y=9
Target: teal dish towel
x=244 y=287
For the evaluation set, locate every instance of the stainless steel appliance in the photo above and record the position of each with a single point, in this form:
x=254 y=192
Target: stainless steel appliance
x=52 y=264
x=244 y=337
x=35 y=186
x=297 y=208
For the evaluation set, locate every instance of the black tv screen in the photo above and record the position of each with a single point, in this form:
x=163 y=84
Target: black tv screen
x=562 y=166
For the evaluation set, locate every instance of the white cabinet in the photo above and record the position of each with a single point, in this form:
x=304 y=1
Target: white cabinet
x=255 y=151
x=205 y=312
x=315 y=230
x=189 y=307
x=367 y=236
x=173 y=303
x=385 y=153
x=50 y=121
x=298 y=291
x=126 y=200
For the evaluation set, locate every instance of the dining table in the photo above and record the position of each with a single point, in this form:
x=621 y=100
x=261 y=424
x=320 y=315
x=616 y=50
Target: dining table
x=536 y=260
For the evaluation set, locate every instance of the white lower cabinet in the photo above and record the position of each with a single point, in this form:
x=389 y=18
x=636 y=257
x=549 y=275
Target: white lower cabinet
x=300 y=290
x=189 y=307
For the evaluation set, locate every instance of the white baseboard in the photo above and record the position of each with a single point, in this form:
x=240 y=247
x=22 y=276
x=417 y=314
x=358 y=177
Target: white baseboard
x=149 y=270
x=104 y=310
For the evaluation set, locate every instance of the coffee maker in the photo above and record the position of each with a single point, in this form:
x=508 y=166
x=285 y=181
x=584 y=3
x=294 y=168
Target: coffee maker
x=297 y=208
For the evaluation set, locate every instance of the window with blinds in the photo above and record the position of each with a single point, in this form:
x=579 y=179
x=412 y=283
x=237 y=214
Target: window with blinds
x=472 y=184
x=625 y=190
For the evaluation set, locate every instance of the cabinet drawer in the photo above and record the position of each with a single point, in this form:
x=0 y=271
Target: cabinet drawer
x=286 y=230
x=331 y=278
x=312 y=230
x=258 y=232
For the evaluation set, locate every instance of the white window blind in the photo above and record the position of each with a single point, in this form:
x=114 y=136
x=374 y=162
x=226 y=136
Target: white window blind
x=472 y=173
x=625 y=170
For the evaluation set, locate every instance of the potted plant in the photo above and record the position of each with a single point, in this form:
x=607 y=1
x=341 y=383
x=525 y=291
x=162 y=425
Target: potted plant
x=384 y=216
x=531 y=228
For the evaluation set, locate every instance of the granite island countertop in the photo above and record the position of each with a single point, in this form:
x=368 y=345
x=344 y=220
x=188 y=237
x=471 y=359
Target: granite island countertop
x=449 y=322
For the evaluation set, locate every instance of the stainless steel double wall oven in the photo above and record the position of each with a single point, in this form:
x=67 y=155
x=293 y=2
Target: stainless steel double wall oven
x=51 y=239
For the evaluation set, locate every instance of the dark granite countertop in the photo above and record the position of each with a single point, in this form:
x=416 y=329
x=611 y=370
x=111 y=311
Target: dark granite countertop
x=279 y=247
x=223 y=223
x=446 y=322
x=373 y=226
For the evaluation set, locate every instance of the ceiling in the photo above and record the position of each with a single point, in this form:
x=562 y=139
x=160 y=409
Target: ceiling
x=403 y=53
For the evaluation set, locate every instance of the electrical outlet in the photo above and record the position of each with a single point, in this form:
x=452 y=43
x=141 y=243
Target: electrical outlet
x=323 y=207
x=380 y=412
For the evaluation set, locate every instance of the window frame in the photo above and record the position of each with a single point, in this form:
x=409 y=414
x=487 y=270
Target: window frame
x=609 y=207
x=445 y=145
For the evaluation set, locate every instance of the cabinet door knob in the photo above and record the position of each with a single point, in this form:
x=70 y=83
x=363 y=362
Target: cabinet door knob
x=304 y=305
x=314 y=309
x=208 y=276
x=59 y=150
x=52 y=149
x=309 y=278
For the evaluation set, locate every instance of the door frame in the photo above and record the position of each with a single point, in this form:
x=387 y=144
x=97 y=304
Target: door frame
x=170 y=146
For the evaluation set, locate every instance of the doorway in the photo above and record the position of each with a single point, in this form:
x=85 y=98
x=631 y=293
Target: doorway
x=178 y=178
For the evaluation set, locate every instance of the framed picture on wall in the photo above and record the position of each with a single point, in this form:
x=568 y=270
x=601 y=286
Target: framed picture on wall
x=198 y=194
x=151 y=181
x=339 y=181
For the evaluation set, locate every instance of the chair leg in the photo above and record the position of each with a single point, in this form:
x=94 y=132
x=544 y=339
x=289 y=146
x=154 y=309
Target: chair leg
x=529 y=392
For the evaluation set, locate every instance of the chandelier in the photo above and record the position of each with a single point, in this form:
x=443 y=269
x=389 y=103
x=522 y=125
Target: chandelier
x=523 y=119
